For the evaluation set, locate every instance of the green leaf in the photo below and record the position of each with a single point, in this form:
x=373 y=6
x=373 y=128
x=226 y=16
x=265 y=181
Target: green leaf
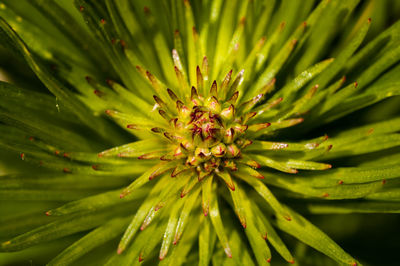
x=189 y=204
x=96 y=202
x=170 y=230
x=266 y=194
x=147 y=176
x=216 y=220
x=90 y=241
x=206 y=194
x=257 y=242
x=63 y=227
x=74 y=104
x=206 y=242
x=268 y=232
x=312 y=236
x=355 y=207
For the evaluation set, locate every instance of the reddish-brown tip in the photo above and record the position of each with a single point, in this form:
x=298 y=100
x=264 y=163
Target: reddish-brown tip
x=109 y=82
x=260 y=176
x=81 y=8
x=383 y=181
x=119 y=251
x=265 y=236
x=244 y=224
x=103 y=21
x=228 y=252
x=340 y=182
x=269 y=260
x=98 y=93
x=325 y=195
x=48 y=213
x=66 y=170
x=291 y=261
x=95 y=167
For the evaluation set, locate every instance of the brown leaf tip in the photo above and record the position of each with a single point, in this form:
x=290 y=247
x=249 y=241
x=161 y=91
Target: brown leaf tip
x=66 y=170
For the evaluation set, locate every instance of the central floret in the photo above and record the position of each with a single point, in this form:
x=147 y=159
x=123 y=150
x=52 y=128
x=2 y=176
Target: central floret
x=206 y=132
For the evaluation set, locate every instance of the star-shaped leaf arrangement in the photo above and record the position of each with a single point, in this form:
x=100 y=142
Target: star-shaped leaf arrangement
x=194 y=132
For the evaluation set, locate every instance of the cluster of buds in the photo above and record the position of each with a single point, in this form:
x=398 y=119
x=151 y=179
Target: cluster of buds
x=207 y=133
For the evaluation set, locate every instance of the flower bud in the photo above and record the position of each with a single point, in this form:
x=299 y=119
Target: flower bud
x=219 y=150
x=228 y=113
x=202 y=153
x=233 y=151
x=213 y=104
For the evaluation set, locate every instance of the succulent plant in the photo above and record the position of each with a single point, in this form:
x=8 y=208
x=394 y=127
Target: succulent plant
x=187 y=132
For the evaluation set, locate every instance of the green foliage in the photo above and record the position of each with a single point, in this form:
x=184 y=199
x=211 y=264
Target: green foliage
x=186 y=132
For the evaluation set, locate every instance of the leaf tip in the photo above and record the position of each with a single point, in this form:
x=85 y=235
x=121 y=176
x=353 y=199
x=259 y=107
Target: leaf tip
x=228 y=252
x=287 y=218
x=120 y=250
